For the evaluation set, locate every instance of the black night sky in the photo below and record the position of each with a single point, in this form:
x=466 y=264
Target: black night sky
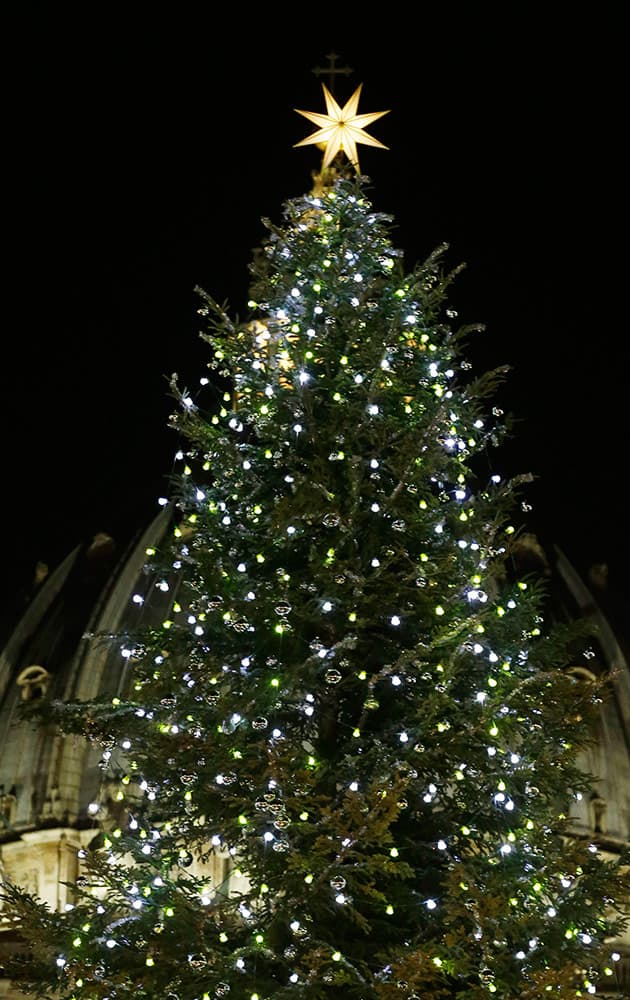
x=143 y=149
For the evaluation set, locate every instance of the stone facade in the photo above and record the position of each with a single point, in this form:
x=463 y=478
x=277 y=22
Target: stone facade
x=48 y=781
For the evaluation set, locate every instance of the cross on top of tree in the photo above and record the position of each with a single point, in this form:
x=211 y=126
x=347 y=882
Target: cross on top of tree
x=332 y=70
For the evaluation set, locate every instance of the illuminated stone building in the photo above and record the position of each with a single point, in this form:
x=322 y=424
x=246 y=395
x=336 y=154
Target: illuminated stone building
x=53 y=796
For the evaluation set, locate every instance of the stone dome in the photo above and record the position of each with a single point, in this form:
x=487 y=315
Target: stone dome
x=48 y=782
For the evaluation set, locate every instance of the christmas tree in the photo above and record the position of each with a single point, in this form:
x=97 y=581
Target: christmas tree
x=346 y=759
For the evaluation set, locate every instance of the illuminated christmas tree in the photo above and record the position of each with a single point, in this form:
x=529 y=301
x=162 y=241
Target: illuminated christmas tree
x=346 y=758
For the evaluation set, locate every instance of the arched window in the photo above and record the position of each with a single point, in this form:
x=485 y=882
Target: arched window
x=34 y=682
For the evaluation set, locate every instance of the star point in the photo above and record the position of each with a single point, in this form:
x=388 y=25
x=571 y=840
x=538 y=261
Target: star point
x=341 y=128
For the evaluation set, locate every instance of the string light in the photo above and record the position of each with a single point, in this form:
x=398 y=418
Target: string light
x=331 y=660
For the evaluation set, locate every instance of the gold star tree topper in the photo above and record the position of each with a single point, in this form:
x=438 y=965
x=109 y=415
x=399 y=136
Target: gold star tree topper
x=341 y=128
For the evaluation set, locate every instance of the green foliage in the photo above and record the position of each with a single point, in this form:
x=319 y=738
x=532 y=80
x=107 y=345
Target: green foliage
x=354 y=700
